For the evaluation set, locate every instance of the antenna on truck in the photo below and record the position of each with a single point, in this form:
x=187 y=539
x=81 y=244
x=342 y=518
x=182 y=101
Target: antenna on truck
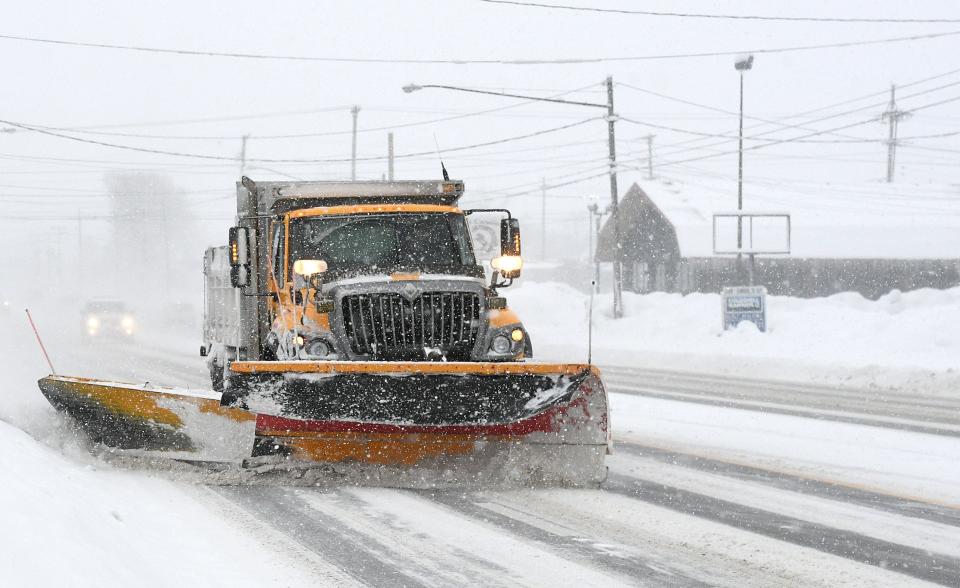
x=593 y=284
x=443 y=168
x=40 y=341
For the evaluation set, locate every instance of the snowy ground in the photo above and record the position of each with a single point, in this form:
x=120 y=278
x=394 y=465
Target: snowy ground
x=698 y=494
x=70 y=520
x=903 y=340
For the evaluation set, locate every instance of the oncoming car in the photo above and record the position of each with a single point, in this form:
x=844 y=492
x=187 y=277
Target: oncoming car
x=108 y=319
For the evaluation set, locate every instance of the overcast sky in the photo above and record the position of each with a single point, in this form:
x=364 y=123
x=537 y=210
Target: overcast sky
x=93 y=90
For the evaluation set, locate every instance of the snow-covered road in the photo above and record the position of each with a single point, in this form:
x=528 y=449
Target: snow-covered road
x=699 y=494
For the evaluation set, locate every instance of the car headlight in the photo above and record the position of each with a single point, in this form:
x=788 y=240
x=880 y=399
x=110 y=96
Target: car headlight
x=93 y=322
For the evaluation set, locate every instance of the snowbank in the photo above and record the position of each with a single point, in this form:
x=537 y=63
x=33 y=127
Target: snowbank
x=70 y=524
x=899 y=337
x=69 y=520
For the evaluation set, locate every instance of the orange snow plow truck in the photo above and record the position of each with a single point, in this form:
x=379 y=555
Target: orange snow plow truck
x=349 y=329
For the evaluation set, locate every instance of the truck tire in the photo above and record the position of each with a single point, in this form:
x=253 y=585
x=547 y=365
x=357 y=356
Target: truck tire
x=216 y=375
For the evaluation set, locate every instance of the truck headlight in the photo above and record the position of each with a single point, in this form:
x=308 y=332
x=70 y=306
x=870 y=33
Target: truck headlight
x=509 y=266
x=318 y=348
x=500 y=344
x=127 y=322
x=93 y=322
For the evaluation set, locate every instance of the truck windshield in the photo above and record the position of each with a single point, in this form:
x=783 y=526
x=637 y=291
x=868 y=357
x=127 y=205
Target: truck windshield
x=436 y=242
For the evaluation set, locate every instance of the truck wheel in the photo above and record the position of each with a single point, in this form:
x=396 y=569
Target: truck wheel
x=216 y=375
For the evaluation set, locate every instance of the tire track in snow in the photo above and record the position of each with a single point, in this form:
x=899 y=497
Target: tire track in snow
x=930 y=415
x=785 y=481
x=918 y=563
x=335 y=542
x=619 y=559
x=457 y=543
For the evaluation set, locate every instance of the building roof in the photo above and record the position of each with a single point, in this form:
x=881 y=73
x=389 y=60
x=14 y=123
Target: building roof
x=862 y=221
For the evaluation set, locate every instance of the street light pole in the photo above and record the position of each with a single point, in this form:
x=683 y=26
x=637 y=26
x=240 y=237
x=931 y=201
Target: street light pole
x=611 y=118
x=741 y=65
x=353 y=148
x=543 y=218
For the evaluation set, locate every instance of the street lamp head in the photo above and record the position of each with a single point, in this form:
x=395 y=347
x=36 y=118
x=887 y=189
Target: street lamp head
x=743 y=63
x=411 y=88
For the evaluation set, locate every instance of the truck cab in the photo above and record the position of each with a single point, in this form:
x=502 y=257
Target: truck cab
x=362 y=271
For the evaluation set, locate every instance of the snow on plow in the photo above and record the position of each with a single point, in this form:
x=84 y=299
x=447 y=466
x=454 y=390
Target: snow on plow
x=370 y=423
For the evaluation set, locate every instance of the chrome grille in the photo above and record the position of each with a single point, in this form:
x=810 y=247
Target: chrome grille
x=386 y=325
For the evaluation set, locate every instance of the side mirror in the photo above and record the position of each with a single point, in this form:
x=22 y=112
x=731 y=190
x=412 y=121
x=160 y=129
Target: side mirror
x=509 y=263
x=510 y=237
x=239 y=257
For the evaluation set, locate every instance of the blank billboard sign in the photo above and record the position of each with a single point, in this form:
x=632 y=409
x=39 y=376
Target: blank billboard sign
x=762 y=233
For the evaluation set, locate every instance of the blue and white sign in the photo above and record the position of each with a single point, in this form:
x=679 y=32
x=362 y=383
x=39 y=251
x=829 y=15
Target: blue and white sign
x=744 y=303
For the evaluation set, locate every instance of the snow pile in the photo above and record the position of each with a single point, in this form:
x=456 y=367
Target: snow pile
x=70 y=524
x=69 y=520
x=917 y=330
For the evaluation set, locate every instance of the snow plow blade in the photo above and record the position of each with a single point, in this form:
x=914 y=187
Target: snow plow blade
x=429 y=423
x=420 y=425
x=153 y=418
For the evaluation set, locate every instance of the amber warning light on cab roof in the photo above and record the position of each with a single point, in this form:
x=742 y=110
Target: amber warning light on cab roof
x=408 y=189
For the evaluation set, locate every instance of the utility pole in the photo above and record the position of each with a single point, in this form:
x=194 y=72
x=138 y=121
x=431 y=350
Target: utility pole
x=57 y=253
x=243 y=155
x=353 y=157
x=390 y=156
x=81 y=269
x=590 y=254
x=649 y=139
x=611 y=118
x=892 y=115
x=543 y=218
x=614 y=206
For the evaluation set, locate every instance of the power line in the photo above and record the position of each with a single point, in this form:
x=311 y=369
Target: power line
x=498 y=193
x=837 y=201
x=927 y=148
x=305 y=135
x=706 y=107
x=186 y=121
x=725 y=16
x=922 y=192
x=524 y=61
x=818 y=109
x=263 y=160
x=793 y=139
x=820 y=141
x=823 y=118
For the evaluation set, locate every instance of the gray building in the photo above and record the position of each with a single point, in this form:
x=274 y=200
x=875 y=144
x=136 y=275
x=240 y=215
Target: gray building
x=872 y=240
